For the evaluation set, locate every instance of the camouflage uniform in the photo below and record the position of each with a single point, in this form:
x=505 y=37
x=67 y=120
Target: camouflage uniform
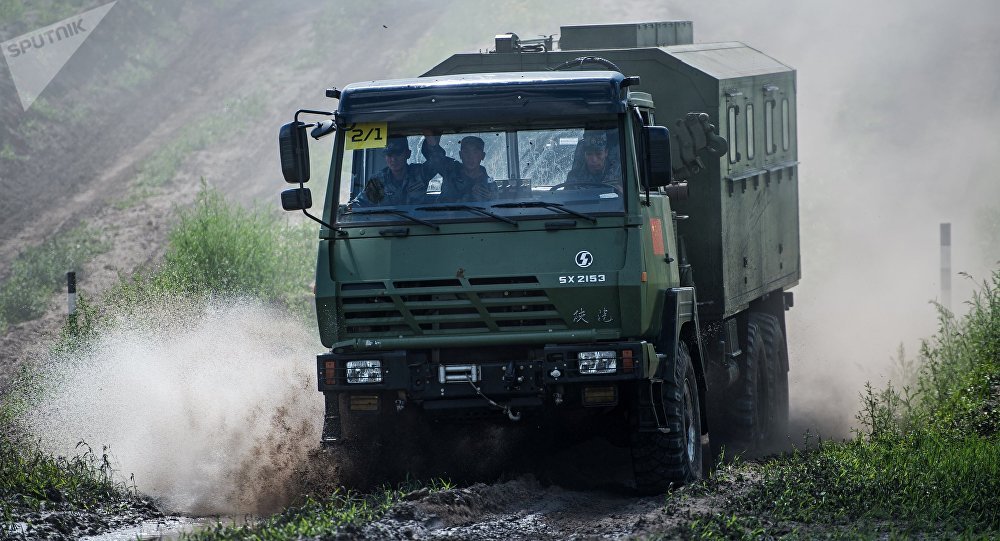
x=390 y=191
x=456 y=186
x=610 y=174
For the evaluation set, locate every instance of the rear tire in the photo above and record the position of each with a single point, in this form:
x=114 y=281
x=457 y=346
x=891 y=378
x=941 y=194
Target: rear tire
x=777 y=380
x=673 y=456
x=759 y=415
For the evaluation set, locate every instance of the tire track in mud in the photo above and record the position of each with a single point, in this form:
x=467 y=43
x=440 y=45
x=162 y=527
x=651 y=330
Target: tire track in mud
x=523 y=508
x=582 y=491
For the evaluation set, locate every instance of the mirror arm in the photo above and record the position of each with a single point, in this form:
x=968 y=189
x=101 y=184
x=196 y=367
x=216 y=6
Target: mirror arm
x=315 y=219
x=319 y=221
x=312 y=112
x=301 y=184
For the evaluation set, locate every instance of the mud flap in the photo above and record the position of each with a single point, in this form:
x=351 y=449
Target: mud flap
x=651 y=412
x=332 y=428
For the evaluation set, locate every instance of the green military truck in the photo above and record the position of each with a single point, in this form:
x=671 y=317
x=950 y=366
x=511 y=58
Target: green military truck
x=643 y=300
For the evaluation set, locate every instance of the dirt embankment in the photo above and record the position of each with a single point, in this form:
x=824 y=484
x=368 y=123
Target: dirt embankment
x=147 y=75
x=69 y=172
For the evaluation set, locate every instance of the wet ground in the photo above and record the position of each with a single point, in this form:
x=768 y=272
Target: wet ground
x=171 y=527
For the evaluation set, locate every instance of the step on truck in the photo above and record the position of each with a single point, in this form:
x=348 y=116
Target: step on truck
x=600 y=229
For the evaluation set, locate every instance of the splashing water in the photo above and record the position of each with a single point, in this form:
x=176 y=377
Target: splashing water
x=211 y=407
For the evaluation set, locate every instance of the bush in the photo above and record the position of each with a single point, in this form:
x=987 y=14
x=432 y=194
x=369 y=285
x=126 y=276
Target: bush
x=37 y=273
x=927 y=456
x=219 y=248
x=216 y=249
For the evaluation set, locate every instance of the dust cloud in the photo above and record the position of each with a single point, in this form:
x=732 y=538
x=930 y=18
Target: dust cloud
x=211 y=408
x=898 y=114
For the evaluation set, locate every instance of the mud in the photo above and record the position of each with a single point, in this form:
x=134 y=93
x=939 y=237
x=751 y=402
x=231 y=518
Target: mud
x=525 y=508
x=60 y=521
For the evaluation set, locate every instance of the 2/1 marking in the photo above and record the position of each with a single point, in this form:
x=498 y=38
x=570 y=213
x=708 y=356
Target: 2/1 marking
x=366 y=135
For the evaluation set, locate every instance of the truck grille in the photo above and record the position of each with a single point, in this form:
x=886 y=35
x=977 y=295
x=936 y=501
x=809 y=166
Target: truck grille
x=446 y=306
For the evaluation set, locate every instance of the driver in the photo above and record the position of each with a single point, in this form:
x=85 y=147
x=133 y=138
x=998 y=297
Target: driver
x=399 y=182
x=596 y=165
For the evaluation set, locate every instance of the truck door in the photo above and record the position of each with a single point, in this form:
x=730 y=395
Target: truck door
x=659 y=243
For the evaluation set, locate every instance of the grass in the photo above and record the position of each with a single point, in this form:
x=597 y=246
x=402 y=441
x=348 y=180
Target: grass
x=317 y=517
x=36 y=274
x=927 y=460
x=216 y=249
x=7 y=153
x=164 y=163
x=219 y=248
x=31 y=480
x=162 y=166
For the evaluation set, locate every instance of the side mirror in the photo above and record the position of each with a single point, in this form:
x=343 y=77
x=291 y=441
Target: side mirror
x=658 y=170
x=323 y=128
x=296 y=199
x=293 y=148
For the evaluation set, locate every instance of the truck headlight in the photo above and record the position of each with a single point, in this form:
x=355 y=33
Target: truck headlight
x=597 y=362
x=364 y=371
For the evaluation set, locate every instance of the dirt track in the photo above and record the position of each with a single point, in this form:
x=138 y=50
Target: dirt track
x=524 y=509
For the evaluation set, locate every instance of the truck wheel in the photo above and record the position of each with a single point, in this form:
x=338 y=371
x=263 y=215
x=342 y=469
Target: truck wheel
x=673 y=456
x=777 y=377
x=760 y=412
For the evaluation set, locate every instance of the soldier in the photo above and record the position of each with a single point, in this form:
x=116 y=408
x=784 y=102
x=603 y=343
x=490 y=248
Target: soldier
x=594 y=163
x=466 y=180
x=399 y=182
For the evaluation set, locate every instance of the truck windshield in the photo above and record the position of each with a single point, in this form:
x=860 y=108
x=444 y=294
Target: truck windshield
x=485 y=174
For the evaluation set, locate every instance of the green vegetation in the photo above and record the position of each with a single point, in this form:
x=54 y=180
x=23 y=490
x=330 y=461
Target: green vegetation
x=928 y=459
x=34 y=483
x=31 y=480
x=7 y=153
x=217 y=248
x=337 y=512
x=162 y=166
x=23 y=16
x=38 y=272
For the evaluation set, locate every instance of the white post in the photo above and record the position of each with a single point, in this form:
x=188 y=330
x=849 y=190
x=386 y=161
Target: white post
x=946 y=265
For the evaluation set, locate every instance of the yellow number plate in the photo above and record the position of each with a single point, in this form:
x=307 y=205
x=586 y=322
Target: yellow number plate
x=367 y=135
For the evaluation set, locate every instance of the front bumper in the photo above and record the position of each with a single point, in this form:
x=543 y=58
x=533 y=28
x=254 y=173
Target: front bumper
x=545 y=375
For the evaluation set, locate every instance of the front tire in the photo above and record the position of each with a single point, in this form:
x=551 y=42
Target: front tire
x=672 y=456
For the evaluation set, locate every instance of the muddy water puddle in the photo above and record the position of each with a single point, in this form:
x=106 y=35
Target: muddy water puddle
x=171 y=527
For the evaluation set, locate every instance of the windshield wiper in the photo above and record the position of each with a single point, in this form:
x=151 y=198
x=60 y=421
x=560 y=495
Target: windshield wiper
x=470 y=208
x=397 y=212
x=547 y=205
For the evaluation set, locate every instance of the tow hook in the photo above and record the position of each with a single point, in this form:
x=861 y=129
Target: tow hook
x=511 y=414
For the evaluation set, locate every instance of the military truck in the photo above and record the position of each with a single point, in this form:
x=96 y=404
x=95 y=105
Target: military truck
x=646 y=305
